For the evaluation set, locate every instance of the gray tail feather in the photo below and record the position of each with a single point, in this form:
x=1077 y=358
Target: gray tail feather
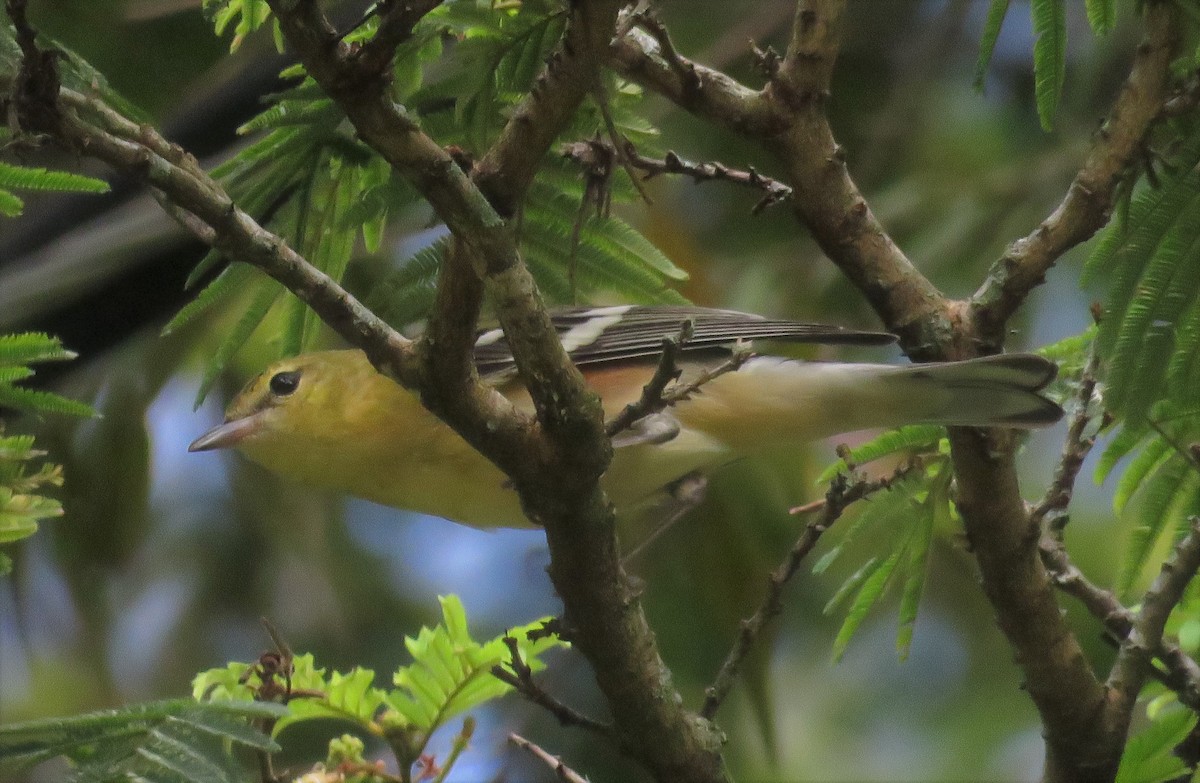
x=997 y=390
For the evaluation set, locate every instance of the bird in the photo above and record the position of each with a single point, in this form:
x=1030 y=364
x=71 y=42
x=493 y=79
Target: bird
x=329 y=419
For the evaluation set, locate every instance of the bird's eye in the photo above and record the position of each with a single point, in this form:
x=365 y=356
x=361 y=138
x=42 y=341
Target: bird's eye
x=284 y=383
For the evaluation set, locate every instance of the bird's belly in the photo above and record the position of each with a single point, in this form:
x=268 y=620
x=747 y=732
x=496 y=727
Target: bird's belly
x=476 y=493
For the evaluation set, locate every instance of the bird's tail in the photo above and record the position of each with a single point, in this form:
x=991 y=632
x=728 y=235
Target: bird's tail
x=773 y=401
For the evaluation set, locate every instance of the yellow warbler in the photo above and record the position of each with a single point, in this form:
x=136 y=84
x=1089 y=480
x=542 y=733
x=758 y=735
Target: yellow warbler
x=329 y=419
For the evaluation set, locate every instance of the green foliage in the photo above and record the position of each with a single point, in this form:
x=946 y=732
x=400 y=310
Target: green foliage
x=459 y=76
x=914 y=507
x=997 y=10
x=21 y=505
x=1102 y=15
x=1149 y=338
x=1159 y=489
x=17 y=351
x=13 y=177
x=1049 y=56
x=450 y=674
x=249 y=15
x=177 y=741
x=1149 y=756
x=1151 y=323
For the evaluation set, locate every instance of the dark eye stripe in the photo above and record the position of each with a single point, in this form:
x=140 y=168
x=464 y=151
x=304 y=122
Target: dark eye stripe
x=284 y=383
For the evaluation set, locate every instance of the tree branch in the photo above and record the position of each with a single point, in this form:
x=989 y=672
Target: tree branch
x=1088 y=203
x=788 y=117
x=555 y=469
x=1182 y=672
x=1052 y=508
x=1145 y=636
x=596 y=155
x=207 y=211
x=561 y=771
x=397 y=18
x=521 y=679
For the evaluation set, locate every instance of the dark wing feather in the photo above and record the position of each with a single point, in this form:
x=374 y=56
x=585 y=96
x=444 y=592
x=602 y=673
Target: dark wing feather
x=616 y=334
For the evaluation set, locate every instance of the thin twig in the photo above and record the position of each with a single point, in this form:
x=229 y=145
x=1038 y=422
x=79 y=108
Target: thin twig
x=619 y=143
x=561 y=770
x=843 y=491
x=1052 y=509
x=521 y=679
x=742 y=353
x=775 y=191
x=652 y=400
x=586 y=153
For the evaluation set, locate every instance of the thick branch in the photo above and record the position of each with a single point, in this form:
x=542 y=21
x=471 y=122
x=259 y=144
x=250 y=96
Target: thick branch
x=1088 y=203
x=558 y=476
x=1005 y=542
x=788 y=117
x=505 y=172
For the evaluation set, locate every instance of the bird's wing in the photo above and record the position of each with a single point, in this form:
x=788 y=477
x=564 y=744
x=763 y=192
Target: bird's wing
x=594 y=335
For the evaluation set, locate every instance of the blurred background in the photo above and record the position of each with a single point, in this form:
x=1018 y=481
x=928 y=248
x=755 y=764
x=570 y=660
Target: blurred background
x=165 y=560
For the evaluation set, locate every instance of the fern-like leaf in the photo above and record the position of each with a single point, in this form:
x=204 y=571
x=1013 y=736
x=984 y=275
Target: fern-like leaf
x=1151 y=213
x=161 y=741
x=997 y=11
x=269 y=291
x=11 y=204
x=1102 y=15
x=913 y=439
x=28 y=178
x=866 y=597
x=1168 y=495
x=1049 y=56
x=450 y=674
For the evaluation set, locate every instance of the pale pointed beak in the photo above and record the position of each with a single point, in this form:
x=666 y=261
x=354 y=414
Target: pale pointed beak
x=231 y=433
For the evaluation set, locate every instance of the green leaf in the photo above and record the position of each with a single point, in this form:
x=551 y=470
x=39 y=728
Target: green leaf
x=1152 y=212
x=41 y=402
x=1147 y=461
x=997 y=10
x=1049 y=56
x=451 y=674
x=870 y=591
x=1102 y=15
x=27 y=178
x=232 y=280
x=936 y=509
x=1168 y=496
x=914 y=439
x=177 y=740
x=1125 y=441
x=1149 y=756
x=11 y=205
x=268 y=292
x=32 y=347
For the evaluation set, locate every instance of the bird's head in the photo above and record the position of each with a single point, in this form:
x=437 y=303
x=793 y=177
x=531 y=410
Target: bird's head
x=295 y=402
